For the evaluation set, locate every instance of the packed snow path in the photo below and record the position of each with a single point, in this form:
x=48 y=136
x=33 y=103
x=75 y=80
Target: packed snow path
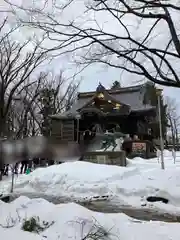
x=105 y=206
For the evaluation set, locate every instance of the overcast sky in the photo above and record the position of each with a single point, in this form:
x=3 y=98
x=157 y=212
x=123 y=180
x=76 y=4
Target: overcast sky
x=96 y=73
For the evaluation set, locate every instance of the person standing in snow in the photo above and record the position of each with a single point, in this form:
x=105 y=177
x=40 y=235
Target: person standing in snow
x=36 y=162
x=24 y=166
x=16 y=168
x=6 y=169
x=24 y=163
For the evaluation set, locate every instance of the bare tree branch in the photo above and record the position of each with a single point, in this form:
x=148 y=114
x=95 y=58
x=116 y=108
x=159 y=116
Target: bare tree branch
x=16 y=66
x=124 y=49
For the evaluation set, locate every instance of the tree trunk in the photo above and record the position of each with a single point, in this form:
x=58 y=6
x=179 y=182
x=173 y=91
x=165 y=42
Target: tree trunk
x=176 y=131
x=172 y=132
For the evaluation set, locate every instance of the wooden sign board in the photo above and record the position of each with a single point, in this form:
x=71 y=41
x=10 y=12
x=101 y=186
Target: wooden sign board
x=138 y=147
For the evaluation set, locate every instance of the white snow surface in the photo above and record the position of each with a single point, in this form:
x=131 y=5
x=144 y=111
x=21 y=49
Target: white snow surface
x=71 y=221
x=129 y=186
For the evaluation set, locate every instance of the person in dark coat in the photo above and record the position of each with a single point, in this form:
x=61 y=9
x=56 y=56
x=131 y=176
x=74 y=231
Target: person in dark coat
x=16 y=168
x=6 y=169
x=24 y=166
x=50 y=162
x=36 y=162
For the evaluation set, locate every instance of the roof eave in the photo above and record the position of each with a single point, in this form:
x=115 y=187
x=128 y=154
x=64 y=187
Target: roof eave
x=144 y=109
x=61 y=117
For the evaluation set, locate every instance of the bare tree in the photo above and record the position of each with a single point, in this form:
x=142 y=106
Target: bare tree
x=23 y=114
x=30 y=110
x=128 y=48
x=173 y=118
x=56 y=95
x=16 y=66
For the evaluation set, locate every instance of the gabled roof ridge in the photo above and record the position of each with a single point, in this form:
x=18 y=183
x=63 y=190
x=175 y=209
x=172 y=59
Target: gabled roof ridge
x=107 y=95
x=113 y=91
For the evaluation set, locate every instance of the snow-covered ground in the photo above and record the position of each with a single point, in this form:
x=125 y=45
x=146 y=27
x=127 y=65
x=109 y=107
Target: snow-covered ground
x=71 y=221
x=127 y=186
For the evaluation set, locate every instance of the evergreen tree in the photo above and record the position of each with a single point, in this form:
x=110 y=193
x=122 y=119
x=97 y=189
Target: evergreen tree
x=116 y=85
x=47 y=100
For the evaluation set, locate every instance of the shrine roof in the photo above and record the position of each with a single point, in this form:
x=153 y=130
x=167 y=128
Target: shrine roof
x=132 y=96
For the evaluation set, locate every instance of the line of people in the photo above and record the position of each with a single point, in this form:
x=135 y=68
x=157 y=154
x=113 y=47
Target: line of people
x=26 y=164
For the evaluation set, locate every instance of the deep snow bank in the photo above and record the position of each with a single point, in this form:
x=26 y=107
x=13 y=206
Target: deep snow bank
x=71 y=221
x=75 y=179
x=85 y=181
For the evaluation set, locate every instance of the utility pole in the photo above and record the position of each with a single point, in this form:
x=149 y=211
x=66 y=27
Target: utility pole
x=159 y=93
x=78 y=117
